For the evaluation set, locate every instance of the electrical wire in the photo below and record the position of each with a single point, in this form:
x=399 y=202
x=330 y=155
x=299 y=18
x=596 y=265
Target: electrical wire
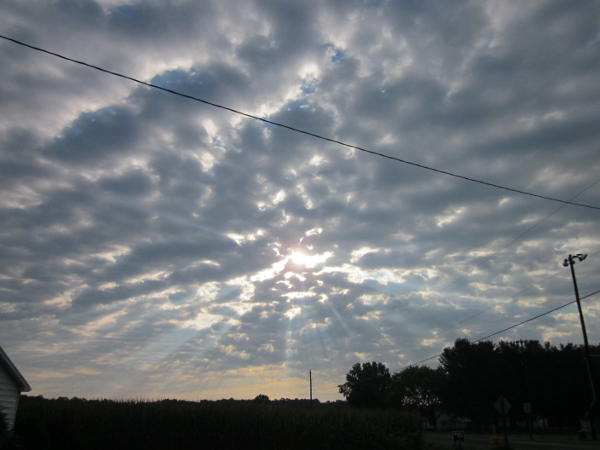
x=591 y=294
x=536 y=224
x=416 y=363
x=534 y=318
x=518 y=293
x=355 y=147
x=301 y=131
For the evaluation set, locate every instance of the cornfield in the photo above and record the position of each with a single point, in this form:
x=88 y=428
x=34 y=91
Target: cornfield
x=229 y=424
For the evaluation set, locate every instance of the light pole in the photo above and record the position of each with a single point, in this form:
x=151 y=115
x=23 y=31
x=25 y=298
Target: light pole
x=570 y=262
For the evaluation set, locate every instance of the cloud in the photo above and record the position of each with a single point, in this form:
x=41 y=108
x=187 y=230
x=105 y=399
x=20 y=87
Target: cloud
x=150 y=243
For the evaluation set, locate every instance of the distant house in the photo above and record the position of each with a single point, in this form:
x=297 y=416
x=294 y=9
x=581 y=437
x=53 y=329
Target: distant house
x=12 y=383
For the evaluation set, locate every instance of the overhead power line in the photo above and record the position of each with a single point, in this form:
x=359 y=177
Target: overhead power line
x=421 y=361
x=495 y=333
x=533 y=318
x=537 y=223
x=518 y=293
x=301 y=131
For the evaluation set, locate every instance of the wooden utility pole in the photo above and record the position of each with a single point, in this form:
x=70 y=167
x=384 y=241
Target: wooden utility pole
x=570 y=262
x=310 y=384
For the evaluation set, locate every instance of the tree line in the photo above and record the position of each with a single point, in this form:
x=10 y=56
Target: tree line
x=551 y=380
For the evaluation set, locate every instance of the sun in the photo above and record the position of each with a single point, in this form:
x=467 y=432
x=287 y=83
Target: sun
x=309 y=261
x=300 y=258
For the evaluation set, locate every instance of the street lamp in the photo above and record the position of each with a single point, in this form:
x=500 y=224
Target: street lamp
x=570 y=262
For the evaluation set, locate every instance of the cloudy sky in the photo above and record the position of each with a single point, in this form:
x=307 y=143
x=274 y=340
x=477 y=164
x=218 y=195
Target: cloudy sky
x=153 y=246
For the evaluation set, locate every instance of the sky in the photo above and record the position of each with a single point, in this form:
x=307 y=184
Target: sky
x=153 y=247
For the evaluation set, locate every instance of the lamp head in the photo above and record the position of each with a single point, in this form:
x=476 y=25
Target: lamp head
x=581 y=256
x=566 y=263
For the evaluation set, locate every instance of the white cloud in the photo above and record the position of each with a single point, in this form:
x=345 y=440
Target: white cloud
x=154 y=246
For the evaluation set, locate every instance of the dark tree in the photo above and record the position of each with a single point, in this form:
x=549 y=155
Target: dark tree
x=472 y=380
x=261 y=398
x=551 y=379
x=418 y=388
x=367 y=385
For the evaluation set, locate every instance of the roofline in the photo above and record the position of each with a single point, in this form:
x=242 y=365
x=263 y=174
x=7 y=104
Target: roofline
x=22 y=383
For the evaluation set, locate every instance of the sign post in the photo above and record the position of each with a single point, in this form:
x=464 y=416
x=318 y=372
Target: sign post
x=503 y=407
x=527 y=410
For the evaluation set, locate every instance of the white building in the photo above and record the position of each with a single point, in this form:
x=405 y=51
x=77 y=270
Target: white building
x=12 y=383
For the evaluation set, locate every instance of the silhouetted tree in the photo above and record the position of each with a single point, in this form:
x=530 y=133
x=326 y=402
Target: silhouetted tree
x=472 y=380
x=261 y=398
x=552 y=379
x=471 y=377
x=367 y=385
x=418 y=388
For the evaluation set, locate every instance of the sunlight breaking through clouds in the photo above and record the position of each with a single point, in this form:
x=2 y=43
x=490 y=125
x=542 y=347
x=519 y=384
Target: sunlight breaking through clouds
x=310 y=261
x=153 y=246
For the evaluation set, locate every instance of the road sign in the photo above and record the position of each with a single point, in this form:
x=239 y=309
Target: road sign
x=502 y=405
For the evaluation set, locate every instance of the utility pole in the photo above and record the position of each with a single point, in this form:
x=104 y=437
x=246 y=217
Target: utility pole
x=570 y=262
x=310 y=383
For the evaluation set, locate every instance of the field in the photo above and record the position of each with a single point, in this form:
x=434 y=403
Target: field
x=65 y=424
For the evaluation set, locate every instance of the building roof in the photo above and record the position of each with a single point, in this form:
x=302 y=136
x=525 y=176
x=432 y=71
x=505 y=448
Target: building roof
x=13 y=372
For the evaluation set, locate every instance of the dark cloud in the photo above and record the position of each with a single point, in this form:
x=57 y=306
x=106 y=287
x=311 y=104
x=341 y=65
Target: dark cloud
x=143 y=232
